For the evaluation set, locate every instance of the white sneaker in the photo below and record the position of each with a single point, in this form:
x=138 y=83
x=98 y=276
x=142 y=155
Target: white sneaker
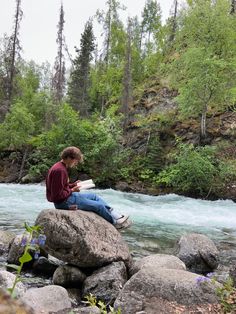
x=122 y=219
x=120 y=223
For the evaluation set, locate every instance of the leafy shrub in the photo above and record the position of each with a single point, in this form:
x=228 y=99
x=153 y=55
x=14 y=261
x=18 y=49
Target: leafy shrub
x=194 y=170
x=98 y=139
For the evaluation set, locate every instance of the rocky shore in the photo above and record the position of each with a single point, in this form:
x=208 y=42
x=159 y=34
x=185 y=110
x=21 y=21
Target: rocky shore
x=84 y=256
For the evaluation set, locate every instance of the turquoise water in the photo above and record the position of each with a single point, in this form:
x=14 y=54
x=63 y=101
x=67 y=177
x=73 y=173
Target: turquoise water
x=158 y=221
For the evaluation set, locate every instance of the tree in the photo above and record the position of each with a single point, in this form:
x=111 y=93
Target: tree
x=206 y=83
x=78 y=89
x=14 y=48
x=108 y=19
x=151 y=20
x=58 y=82
x=204 y=68
x=9 y=54
x=173 y=23
x=127 y=79
x=107 y=74
x=233 y=7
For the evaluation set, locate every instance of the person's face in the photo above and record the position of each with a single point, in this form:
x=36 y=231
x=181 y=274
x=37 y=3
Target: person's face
x=72 y=162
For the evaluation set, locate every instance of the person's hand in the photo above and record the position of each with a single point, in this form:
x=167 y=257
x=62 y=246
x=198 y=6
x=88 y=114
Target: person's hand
x=73 y=207
x=75 y=189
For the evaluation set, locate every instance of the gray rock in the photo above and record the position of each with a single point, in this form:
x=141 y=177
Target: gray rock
x=16 y=250
x=198 y=252
x=68 y=276
x=49 y=299
x=8 y=305
x=157 y=261
x=82 y=238
x=6 y=238
x=106 y=282
x=87 y=310
x=44 y=266
x=6 y=281
x=168 y=284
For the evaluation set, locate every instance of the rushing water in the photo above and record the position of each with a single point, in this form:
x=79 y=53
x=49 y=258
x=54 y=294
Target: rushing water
x=157 y=220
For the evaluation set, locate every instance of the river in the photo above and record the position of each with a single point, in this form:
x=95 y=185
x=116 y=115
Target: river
x=158 y=221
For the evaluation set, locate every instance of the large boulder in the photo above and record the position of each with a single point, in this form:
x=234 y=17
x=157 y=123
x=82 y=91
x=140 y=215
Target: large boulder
x=16 y=249
x=44 y=266
x=82 y=238
x=171 y=285
x=198 y=252
x=106 y=282
x=8 y=305
x=7 y=280
x=68 y=276
x=49 y=299
x=157 y=261
x=5 y=239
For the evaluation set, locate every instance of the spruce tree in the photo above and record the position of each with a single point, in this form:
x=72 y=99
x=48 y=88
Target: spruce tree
x=58 y=82
x=78 y=89
x=9 y=54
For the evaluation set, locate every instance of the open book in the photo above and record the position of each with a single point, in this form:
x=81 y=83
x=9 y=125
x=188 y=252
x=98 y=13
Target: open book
x=85 y=185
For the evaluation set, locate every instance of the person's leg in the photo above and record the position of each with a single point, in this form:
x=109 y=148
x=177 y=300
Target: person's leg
x=92 y=202
x=94 y=197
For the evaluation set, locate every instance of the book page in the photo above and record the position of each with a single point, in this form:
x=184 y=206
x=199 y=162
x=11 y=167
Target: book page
x=86 y=184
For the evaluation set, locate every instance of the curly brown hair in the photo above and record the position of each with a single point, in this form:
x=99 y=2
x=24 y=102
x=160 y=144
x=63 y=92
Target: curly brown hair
x=73 y=153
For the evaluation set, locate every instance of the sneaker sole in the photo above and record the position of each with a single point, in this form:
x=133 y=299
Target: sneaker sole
x=126 y=224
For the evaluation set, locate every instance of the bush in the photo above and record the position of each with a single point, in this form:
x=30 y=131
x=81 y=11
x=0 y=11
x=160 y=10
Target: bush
x=98 y=139
x=194 y=171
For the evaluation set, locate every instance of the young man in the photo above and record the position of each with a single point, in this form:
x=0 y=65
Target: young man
x=67 y=195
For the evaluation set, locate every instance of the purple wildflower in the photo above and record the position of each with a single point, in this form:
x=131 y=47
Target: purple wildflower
x=34 y=241
x=23 y=241
x=210 y=275
x=41 y=239
x=201 y=279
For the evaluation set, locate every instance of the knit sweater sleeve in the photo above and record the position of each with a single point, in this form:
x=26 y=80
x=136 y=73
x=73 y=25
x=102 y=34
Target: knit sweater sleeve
x=58 y=186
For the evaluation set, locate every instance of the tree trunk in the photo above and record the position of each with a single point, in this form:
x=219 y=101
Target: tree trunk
x=18 y=16
x=23 y=163
x=127 y=79
x=233 y=7
x=203 y=122
x=174 y=22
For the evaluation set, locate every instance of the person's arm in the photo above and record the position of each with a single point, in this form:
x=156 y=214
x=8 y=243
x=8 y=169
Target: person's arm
x=59 y=186
x=71 y=185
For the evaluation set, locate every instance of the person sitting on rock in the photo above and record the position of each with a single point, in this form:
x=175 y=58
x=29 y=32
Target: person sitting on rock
x=67 y=195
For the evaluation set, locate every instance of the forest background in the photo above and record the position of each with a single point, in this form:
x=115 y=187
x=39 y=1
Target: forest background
x=154 y=112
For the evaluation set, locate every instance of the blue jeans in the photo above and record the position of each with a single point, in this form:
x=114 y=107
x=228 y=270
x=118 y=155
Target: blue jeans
x=89 y=202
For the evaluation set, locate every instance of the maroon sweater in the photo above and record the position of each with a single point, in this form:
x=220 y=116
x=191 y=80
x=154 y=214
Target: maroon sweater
x=58 y=188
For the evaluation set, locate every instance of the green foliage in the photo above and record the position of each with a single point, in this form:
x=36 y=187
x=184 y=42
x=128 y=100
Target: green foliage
x=97 y=138
x=227 y=295
x=104 y=309
x=17 y=128
x=194 y=170
x=203 y=69
x=203 y=80
x=208 y=24
x=32 y=240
